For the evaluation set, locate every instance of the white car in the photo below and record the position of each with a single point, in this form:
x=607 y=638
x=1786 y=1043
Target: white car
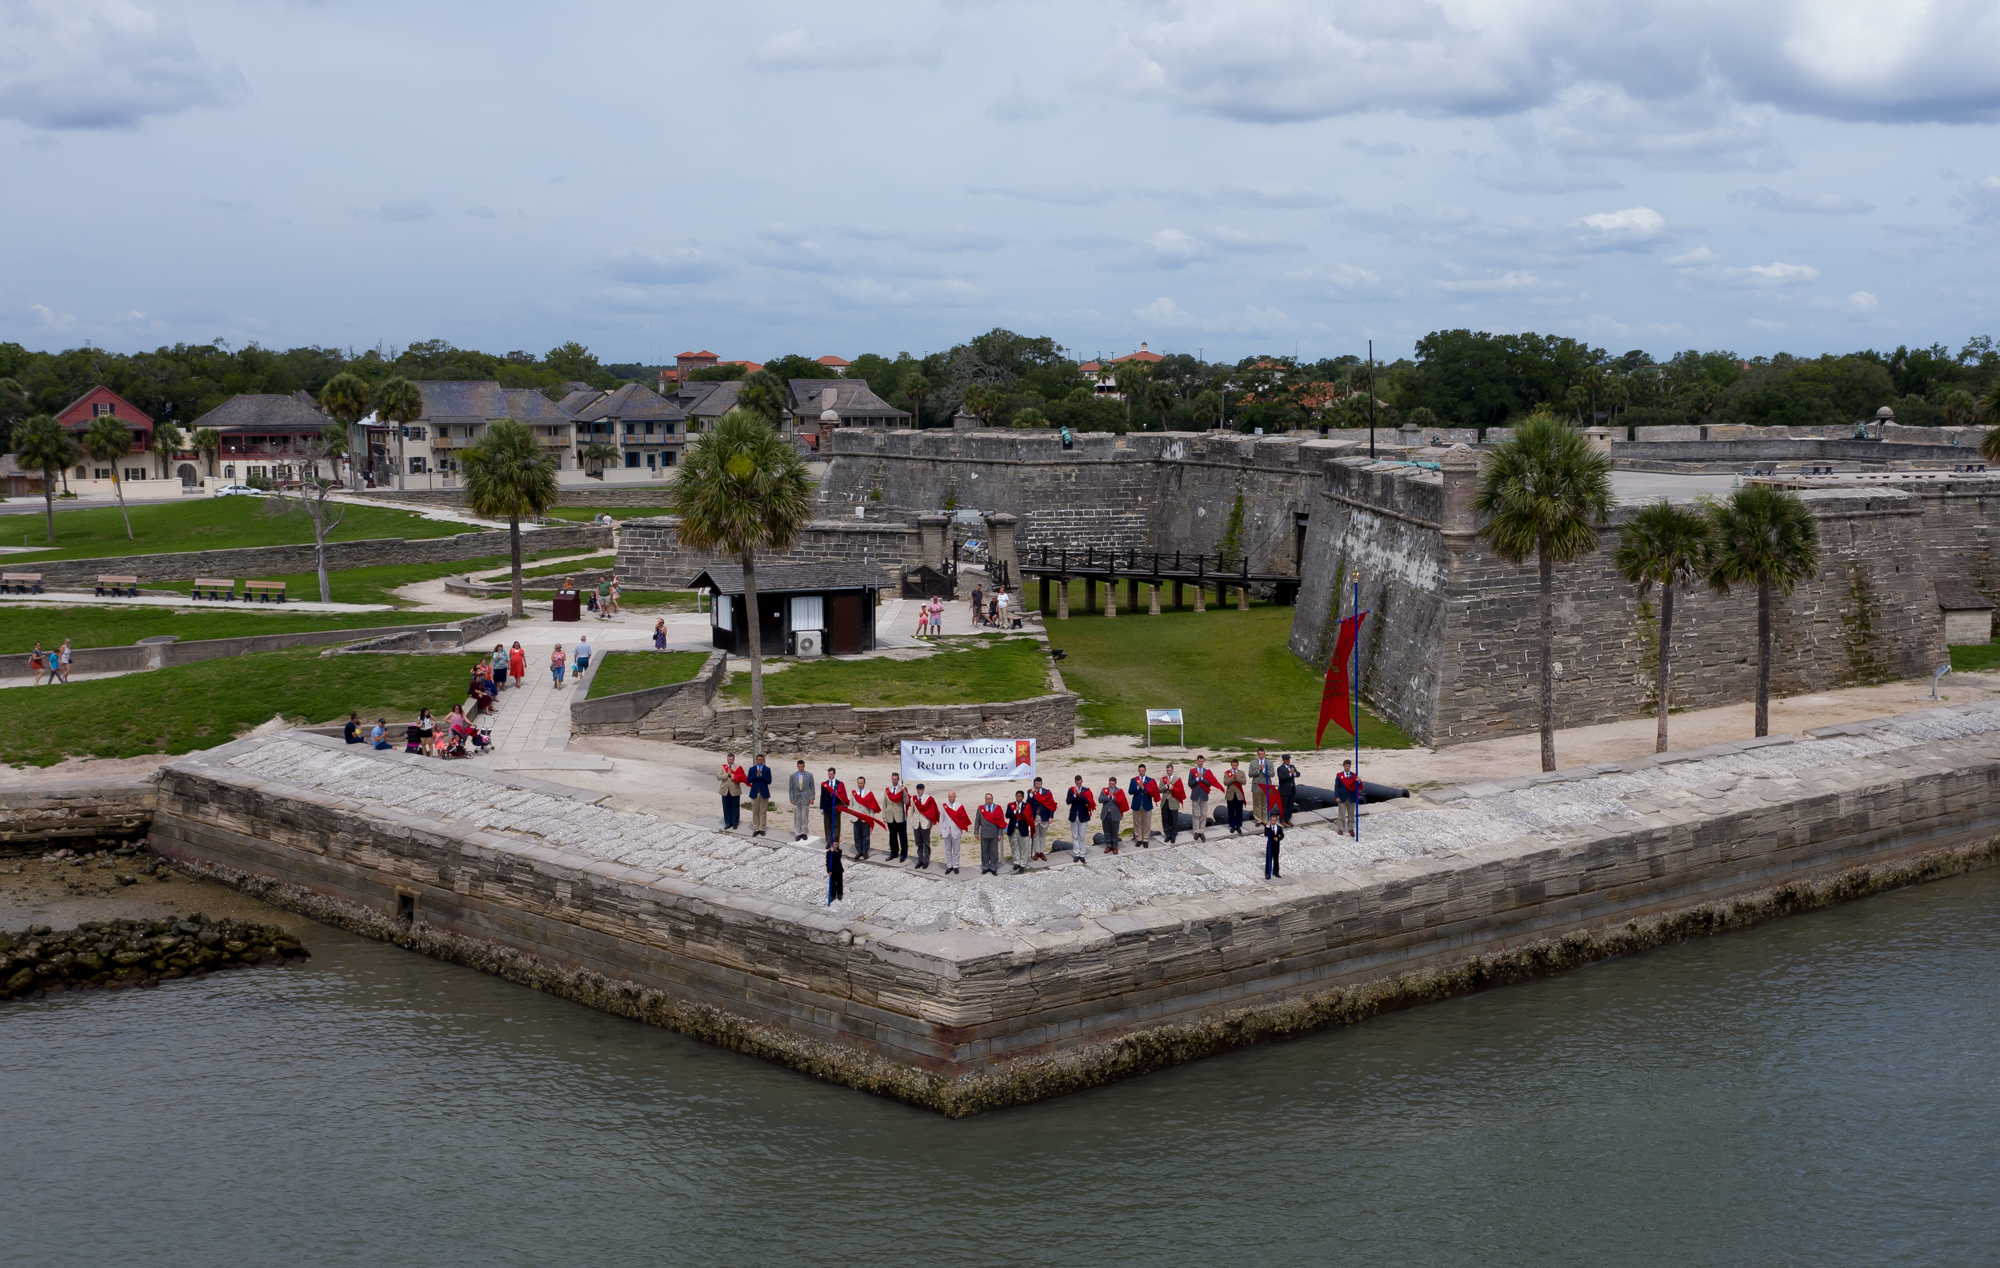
x=232 y=490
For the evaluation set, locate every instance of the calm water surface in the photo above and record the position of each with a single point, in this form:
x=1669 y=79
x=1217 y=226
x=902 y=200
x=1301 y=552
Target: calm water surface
x=1818 y=1091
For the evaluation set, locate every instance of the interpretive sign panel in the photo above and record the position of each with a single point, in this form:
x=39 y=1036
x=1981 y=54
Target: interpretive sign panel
x=929 y=761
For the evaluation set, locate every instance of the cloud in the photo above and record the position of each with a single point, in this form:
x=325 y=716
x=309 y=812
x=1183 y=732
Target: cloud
x=936 y=241
x=1767 y=199
x=1532 y=177
x=800 y=48
x=1274 y=61
x=1641 y=222
x=1701 y=262
x=1275 y=194
x=1514 y=282
x=481 y=213
x=399 y=210
x=87 y=64
x=1018 y=105
x=1983 y=197
x=1060 y=195
x=51 y=319
x=1165 y=312
x=678 y=266
x=1775 y=274
x=1243 y=240
x=1700 y=255
x=1766 y=324
x=1382 y=149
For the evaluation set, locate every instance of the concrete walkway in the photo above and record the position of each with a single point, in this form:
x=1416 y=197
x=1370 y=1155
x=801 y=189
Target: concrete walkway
x=534 y=718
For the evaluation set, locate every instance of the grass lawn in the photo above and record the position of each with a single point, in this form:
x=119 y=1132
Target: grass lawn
x=1012 y=669
x=634 y=671
x=1972 y=658
x=208 y=523
x=1229 y=672
x=374 y=584
x=187 y=707
x=604 y=560
x=664 y=600
x=121 y=627
x=584 y=514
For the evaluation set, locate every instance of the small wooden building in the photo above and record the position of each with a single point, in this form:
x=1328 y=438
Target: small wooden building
x=836 y=601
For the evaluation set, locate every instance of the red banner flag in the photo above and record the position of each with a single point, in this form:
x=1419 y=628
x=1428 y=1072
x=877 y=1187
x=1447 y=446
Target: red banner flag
x=1333 y=701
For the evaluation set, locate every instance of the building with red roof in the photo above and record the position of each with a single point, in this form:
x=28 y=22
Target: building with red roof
x=1104 y=373
x=102 y=402
x=836 y=364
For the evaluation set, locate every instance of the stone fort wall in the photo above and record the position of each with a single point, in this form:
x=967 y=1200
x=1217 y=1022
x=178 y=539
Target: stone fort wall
x=651 y=556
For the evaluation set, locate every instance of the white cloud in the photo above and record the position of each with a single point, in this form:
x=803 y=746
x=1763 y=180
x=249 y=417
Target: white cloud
x=1766 y=199
x=102 y=64
x=1983 y=197
x=1244 y=240
x=400 y=210
x=1165 y=312
x=51 y=319
x=1700 y=255
x=1640 y=222
x=802 y=48
x=1776 y=274
x=1060 y=195
x=1514 y=282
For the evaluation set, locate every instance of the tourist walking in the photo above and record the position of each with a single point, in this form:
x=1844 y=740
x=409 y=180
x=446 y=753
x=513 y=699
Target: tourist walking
x=836 y=872
x=800 y=790
x=582 y=650
x=729 y=784
x=1145 y=794
x=956 y=820
x=1346 y=799
x=1263 y=782
x=1201 y=782
x=1043 y=803
x=864 y=826
x=63 y=661
x=517 y=664
x=1111 y=804
x=1172 y=794
x=617 y=596
x=499 y=668
x=832 y=797
x=1233 y=790
x=1274 y=835
x=35 y=662
x=1288 y=789
x=55 y=667
x=660 y=635
x=992 y=822
x=895 y=805
x=923 y=814
x=759 y=786
x=556 y=663
x=1081 y=806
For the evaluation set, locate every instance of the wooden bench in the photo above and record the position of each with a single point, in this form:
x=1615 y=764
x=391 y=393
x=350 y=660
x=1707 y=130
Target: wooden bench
x=116 y=586
x=272 y=590
x=20 y=583
x=215 y=588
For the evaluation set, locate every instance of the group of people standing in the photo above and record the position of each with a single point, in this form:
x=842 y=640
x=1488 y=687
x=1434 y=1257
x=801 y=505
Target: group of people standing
x=54 y=663
x=1013 y=833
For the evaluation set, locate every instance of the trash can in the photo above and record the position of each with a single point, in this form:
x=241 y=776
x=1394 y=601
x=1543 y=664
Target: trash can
x=568 y=606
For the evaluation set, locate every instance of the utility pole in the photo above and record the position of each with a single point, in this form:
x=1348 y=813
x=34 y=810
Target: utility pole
x=1371 y=415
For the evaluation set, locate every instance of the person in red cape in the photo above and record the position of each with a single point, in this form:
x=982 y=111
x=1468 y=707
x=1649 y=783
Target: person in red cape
x=1172 y=794
x=729 y=782
x=1201 y=782
x=1346 y=798
x=895 y=806
x=991 y=822
x=1044 y=803
x=956 y=820
x=1081 y=806
x=924 y=814
x=832 y=800
x=1020 y=830
x=862 y=805
x=1145 y=794
x=1111 y=807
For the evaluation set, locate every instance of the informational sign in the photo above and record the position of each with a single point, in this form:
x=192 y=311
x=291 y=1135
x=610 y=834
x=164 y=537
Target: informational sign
x=967 y=761
x=1164 y=717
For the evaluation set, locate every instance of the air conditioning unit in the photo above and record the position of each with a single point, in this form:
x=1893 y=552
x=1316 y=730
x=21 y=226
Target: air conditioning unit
x=809 y=644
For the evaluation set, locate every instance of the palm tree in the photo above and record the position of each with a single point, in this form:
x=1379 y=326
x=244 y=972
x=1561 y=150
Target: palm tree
x=43 y=445
x=1160 y=398
x=1958 y=407
x=108 y=442
x=208 y=443
x=1131 y=376
x=345 y=398
x=1544 y=493
x=917 y=387
x=1208 y=406
x=596 y=454
x=333 y=446
x=763 y=394
x=398 y=402
x=1666 y=546
x=509 y=476
x=167 y=441
x=982 y=401
x=1766 y=535
x=1989 y=414
x=1030 y=417
x=743 y=489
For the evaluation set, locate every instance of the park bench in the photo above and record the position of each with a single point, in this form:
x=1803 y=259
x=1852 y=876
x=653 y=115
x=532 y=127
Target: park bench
x=215 y=588
x=271 y=590
x=20 y=583
x=116 y=586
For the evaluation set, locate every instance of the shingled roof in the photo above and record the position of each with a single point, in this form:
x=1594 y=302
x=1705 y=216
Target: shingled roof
x=792 y=578
x=1959 y=596
x=708 y=400
x=634 y=402
x=463 y=398
x=264 y=412
x=851 y=399
x=526 y=405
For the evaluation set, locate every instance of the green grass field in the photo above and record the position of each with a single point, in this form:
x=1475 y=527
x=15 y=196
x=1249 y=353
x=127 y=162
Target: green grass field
x=187 y=707
x=584 y=514
x=1012 y=669
x=604 y=560
x=635 y=671
x=202 y=523
x=121 y=627
x=374 y=584
x=1972 y=658
x=1229 y=672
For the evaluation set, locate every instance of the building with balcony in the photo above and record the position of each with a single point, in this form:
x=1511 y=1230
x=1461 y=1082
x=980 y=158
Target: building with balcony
x=648 y=431
x=263 y=436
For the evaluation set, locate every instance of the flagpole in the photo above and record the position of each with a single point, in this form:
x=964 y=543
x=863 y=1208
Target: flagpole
x=1354 y=688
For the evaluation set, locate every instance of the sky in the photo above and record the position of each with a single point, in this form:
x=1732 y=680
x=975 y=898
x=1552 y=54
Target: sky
x=1221 y=177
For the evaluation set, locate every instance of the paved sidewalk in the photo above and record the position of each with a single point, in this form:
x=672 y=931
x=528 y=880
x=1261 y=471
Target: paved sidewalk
x=535 y=718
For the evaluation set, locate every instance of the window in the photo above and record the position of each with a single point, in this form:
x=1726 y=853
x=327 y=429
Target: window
x=667 y=458
x=808 y=612
x=632 y=459
x=101 y=410
x=649 y=429
x=135 y=473
x=229 y=471
x=631 y=429
x=100 y=473
x=722 y=611
x=416 y=466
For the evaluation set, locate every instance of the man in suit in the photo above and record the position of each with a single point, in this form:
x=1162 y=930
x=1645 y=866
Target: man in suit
x=832 y=796
x=729 y=784
x=1043 y=803
x=1144 y=793
x=758 y=777
x=1201 y=782
x=1263 y=778
x=800 y=790
x=1172 y=794
x=1233 y=790
x=895 y=802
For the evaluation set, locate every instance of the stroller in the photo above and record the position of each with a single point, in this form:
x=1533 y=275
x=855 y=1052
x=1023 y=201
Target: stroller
x=413 y=739
x=469 y=741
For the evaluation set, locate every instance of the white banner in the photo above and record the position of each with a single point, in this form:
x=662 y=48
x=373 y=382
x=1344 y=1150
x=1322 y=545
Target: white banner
x=967 y=761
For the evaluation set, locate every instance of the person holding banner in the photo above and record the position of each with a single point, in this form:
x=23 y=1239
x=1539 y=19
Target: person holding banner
x=832 y=797
x=923 y=813
x=1201 y=782
x=1233 y=785
x=954 y=824
x=800 y=790
x=1172 y=794
x=1042 y=802
x=1346 y=798
x=992 y=821
x=1111 y=804
x=760 y=795
x=893 y=802
x=1081 y=807
x=864 y=824
x=1145 y=792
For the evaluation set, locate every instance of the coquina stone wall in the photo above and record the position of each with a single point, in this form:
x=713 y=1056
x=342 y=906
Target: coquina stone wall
x=651 y=557
x=65 y=813
x=261 y=561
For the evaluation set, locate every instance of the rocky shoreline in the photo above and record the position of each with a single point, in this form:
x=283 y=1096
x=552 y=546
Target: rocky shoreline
x=117 y=953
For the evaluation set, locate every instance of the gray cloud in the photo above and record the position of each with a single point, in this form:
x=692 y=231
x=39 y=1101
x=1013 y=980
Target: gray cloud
x=1060 y=195
x=401 y=210
x=678 y=266
x=94 y=64
x=1767 y=199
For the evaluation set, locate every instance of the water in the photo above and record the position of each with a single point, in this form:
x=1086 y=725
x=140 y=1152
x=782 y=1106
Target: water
x=1820 y=1090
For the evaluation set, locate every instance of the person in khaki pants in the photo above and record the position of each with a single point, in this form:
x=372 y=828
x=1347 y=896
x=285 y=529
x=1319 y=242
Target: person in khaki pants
x=1232 y=794
x=758 y=777
x=802 y=789
x=1263 y=778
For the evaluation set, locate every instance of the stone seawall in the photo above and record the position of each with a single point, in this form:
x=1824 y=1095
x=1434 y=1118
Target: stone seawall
x=966 y=994
x=57 y=812
x=265 y=561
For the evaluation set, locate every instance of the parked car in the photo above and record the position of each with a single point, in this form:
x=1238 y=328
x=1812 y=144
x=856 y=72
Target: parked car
x=232 y=490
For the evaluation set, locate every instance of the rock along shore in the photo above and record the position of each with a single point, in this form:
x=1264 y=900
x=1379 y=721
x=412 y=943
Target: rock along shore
x=119 y=953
